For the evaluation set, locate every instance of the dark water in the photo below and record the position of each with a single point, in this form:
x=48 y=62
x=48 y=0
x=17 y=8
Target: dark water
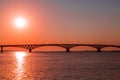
x=60 y=66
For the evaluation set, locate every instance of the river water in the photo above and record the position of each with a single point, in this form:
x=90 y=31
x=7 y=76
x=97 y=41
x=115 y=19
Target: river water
x=60 y=66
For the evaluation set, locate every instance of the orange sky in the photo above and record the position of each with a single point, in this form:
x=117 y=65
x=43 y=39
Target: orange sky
x=60 y=22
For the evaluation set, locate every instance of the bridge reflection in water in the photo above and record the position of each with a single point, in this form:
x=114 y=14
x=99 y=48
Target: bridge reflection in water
x=30 y=47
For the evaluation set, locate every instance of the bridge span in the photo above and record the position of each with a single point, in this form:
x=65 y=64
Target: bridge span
x=30 y=47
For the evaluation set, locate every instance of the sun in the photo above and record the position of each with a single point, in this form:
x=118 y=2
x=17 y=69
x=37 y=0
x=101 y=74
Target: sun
x=20 y=22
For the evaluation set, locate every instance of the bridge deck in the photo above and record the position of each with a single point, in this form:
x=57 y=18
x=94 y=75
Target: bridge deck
x=30 y=47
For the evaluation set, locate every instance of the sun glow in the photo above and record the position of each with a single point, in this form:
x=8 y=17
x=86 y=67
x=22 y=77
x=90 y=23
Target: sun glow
x=20 y=22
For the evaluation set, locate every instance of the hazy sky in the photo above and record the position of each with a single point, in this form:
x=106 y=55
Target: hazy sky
x=61 y=21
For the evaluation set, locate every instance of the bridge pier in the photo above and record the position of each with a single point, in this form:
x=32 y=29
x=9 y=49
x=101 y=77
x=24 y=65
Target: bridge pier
x=1 y=49
x=30 y=50
x=98 y=49
x=67 y=49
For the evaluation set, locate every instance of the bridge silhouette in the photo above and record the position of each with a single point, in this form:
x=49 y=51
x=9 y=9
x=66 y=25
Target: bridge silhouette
x=30 y=47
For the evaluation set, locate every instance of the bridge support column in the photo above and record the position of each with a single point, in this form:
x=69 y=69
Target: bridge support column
x=1 y=49
x=98 y=49
x=30 y=50
x=67 y=49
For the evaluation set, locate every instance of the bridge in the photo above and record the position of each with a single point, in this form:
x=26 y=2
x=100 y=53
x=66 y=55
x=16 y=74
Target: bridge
x=30 y=47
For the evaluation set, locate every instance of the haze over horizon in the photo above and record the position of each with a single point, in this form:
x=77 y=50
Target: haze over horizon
x=61 y=21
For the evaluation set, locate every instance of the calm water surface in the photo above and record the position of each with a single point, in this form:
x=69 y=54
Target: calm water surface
x=60 y=66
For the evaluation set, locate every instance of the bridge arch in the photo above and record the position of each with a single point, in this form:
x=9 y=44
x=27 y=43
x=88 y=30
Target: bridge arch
x=49 y=48
x=111 y=48
x=83 y=48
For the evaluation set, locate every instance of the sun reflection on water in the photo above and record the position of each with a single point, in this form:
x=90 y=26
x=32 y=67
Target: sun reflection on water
x=20 y=56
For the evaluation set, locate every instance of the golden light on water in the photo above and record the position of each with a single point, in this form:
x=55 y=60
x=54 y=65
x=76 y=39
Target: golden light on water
x=20 y=56
x=20 y=22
